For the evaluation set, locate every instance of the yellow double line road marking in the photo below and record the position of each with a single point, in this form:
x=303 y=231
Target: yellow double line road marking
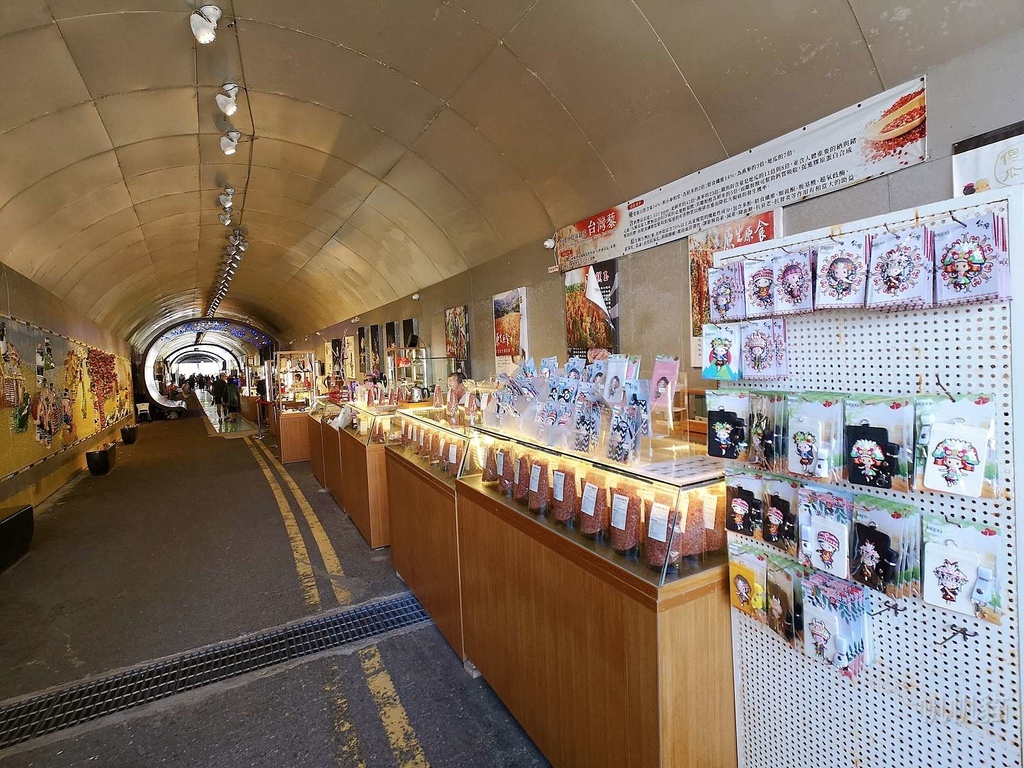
x=405 y=745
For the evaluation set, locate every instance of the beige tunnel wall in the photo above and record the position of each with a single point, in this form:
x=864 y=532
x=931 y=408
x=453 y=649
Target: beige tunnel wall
x=968 y=96
x=25 y=300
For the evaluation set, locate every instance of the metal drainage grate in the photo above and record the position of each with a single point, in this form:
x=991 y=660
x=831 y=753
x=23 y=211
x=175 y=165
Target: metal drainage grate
x=83 y=702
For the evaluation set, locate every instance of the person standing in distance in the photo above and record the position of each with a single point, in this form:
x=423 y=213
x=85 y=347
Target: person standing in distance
x=220 y=395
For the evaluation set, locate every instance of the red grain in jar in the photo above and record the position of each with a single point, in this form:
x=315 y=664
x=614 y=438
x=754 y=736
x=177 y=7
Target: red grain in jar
x=658 y=544
x=594 y=508
x=506 y=470
x=521 y=492
x=490 y=471
x=625 y=521
x=565 y=494
x=540 y=487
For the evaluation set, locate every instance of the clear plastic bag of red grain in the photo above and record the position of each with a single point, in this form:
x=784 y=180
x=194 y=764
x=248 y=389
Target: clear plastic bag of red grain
x=565 y=495
x=436 y=443
x=625 y=521
x=540 y=486
x=506 y=466
x=594 y=514
x=490 y=473
x=422 y=445
x=521 y=491
x=453 y=452
x=663 y=537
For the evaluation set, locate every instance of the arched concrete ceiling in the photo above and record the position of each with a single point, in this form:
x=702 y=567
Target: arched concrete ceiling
x=397 y=142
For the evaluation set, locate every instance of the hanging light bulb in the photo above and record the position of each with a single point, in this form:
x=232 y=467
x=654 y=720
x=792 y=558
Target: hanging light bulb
x=229 y=142
x=225 y=219
x=227 y=100
x=225 y=201
x=203 y=21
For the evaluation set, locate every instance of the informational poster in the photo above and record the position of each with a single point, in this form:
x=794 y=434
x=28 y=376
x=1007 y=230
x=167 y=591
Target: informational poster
x=351 y=358
x=592 y=309
x=376 y=349
x=456 y=337
x=364 y=349
x=882 y=134
x=990 y=161
x=510 y=330
x=54 y=393
x=702 y=247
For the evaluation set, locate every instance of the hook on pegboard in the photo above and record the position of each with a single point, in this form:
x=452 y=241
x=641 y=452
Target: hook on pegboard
x=962 y=631
x=890 y=605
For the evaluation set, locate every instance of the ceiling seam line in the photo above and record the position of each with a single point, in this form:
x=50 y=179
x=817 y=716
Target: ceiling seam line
x=871 y=54
x=682 y=77
x=520 y=19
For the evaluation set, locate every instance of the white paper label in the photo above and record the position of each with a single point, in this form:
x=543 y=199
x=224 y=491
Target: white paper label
x=589 y=499
x=620 y=504
x=710 y=507
x=422 y=435
x=501 y=463
x=453 y=453
x=657 y=528
x=558 y=482
x=534 y=478
x=515 y=472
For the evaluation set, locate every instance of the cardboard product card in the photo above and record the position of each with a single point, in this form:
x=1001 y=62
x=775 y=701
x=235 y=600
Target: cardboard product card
x=725 y=289
x=794 y=282
x=759 y=357
x=842 y=272
x=721 y=352
x=957 y=457
x=745 y=591
x=950 y=575
x=900 y=275
x=971 y=261
x=759 y=279
x=821 y=629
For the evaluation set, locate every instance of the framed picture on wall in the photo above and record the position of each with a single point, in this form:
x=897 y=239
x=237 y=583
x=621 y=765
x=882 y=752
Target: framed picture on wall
x=376 y=348
x=390 y=335
x=364 y=351
x=456 y=337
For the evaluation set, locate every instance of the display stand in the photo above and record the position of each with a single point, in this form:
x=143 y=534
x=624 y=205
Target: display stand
x=292 y=379
x=945 y=690
x=363 y=482
x=292 y=436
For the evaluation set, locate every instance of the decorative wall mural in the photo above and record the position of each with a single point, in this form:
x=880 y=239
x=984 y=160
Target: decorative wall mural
x=55 y=392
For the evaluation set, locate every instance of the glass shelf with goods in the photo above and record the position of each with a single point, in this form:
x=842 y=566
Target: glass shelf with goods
x=425 y=438
x=293 y=377
x=371 y=424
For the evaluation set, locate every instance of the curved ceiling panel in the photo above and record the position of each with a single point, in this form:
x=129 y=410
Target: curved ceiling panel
x=390 y=145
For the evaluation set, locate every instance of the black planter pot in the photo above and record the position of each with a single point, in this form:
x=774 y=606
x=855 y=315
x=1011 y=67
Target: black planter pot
x=101 y=461
x=129 y=434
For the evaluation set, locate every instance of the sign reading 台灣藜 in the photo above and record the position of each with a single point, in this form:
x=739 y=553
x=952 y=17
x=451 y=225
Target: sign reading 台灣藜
x=878 y=136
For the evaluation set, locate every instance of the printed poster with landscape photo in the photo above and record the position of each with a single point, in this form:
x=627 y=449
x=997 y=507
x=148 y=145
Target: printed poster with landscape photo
x=592 y=309
x=510 y=324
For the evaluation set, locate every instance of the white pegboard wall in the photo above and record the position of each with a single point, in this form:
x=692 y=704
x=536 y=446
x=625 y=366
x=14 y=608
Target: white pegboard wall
x=922 y=703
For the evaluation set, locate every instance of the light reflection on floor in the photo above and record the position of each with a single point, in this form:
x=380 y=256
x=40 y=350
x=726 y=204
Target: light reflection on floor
x=221 y=427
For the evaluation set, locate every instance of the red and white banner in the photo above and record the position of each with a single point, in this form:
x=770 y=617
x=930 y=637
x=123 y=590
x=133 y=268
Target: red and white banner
x=885 y=133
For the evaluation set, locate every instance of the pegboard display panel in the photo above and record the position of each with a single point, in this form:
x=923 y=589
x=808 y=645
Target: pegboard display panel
x=924 y=702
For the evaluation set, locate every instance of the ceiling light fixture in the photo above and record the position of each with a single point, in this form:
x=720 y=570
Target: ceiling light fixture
x=225 y=219
x=227 y=100
x=203 y=21
x=229 y=141
x=549 y=243
x=225 y=201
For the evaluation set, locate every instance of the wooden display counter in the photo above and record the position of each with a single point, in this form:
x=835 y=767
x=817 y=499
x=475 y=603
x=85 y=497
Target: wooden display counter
x=424 y=542
x=364 y=489
x=598 y=664
x=316 y=449
x=293 y=436
x=332 y=461
x=248 y=407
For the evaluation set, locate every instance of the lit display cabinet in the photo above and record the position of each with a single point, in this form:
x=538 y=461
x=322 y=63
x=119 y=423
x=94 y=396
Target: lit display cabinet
x=410 y=366
x=292 y=379
x=363 y=433
x=620 y=569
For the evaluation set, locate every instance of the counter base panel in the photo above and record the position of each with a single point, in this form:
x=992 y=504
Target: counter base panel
x=293 y=437
x=364 y=489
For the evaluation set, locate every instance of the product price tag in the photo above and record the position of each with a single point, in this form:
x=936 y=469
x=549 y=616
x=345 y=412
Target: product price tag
x=709 y=507
x=589 y=499
x=501 y=462
x=657 y=528
x=421 y=435
x=534 y=478
x=558 y=481
x=453 y=453
x=515 y=472
x=620 y=504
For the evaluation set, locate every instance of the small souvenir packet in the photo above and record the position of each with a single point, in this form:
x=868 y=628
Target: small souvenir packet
x=638 y=396
x=971 y=261
x=721 y=352
x=623 y=434
x=574 y=367
x=900 y=274
x=727 y=422
x=826 y=516
x=821 y=628
x=878 y=441
x=633 y=366
x=758 y=353
x=548 y=367
x=598 y=374
x=781 y=601
x=744 y=507
x=725 y=289
x=955 y=451
x=842 y=272
x=837 y=624
x=962 y=568
x=616 y=379
x=794 y=282
x=780 y=523
x=759 y=279
x=781 y=348
x=748 y=574
x=886 y=547
x=815 y=442
x=762 y=429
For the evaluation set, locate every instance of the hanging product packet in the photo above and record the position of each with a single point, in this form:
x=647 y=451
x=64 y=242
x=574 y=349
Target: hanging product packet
x=794 y=281
x=748 y=576
x=964 y=567
x=765 y=434
x=633 y=366
x=886 y=546
x=548 y=367
x=757 y=349
x=725 y=289
x=616 y=379
x=624 y=434
x=814 y=423
x=665 y=376
x=783 y=607
x=720 y=345
x=728 y=412
x=972 y=263
x=826 y=519
x=956 y=445
x=598 y=374
x=901 y=270
x=781 y=348
x=574 y=367
x=842 y=272
x=743 y=500
x=879 y=440
x=759 y=279
x=780 y=525
x=837 y=623
x=527 y=369
x=638 y=396
x=586 y=420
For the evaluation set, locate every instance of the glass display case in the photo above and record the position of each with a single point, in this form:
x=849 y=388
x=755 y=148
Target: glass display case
x=661 y=520
x=371 y=424
x=409 y=365
x=294 y=380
